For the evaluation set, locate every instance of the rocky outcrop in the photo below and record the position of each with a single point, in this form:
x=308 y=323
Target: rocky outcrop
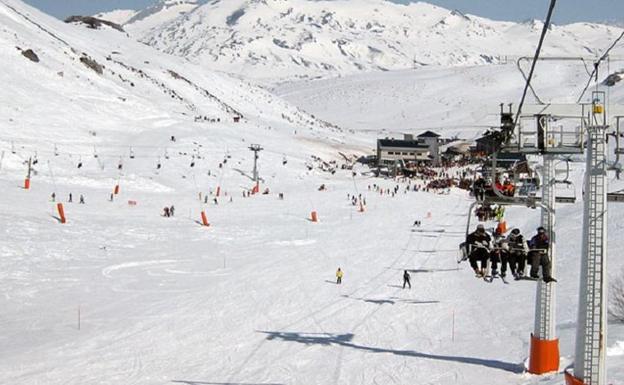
x=93 y=22
x=31 y=55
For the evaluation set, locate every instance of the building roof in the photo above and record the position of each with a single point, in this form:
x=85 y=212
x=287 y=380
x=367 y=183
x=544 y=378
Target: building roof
x=401 y=143
x=428 y=134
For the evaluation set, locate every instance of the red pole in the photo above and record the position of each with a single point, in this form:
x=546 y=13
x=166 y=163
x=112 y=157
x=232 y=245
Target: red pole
x=61 y=212
x=453 y=330
x=204 y=219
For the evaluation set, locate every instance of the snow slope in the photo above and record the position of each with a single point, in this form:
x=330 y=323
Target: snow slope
x=121 y=295
x=119 y=16
x=276 y=40
x=460 y=101
x=161 y=12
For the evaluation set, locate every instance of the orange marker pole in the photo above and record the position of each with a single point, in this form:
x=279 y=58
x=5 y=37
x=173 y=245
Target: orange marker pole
x=571 y=380
x=26 y=183
x=218 y=191
x=314 y=216
x=116 y=191
x=204 y=219
x=61 y=212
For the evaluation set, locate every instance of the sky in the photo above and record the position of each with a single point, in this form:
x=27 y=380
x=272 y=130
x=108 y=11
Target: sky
x=567 y=11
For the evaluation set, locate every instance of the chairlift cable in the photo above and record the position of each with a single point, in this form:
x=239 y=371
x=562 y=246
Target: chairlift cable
x=535 y=59
x=596 y=64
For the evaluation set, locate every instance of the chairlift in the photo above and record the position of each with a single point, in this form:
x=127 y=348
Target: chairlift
x=193 y=161
x=159 y=164
x=166 y=154
x=79 y=162
x=120 y=164
x=35 y=160
x=95 y=154
x=56 y=153
x=567 y=195
x=131 y=153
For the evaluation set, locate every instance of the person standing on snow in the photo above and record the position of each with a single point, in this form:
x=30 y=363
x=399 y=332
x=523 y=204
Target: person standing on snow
x=339 y=275
x=406 y=279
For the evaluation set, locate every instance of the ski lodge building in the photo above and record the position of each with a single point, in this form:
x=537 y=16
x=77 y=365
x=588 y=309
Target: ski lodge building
x=425 y=148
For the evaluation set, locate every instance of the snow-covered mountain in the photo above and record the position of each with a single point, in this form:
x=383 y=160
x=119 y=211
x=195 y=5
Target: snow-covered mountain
x=119 y=16
x=142 y=22
x=107 y=77
x=302 y=39
x=160 y=13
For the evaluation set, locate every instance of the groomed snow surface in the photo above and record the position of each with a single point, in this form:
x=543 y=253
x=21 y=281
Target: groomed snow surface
x=252 y=298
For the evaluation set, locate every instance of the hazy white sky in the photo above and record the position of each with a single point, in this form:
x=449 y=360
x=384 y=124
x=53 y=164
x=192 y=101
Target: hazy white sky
x=567 y=11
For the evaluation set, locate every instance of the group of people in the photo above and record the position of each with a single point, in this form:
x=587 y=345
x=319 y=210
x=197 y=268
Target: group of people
x=70 y=198
x=481 y=188
x=512 y=252
x=168 y=211
x=406 y=278
x=488 y=212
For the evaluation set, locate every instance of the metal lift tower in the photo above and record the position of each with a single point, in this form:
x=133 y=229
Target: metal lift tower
x=589 y=365
x=256 y=148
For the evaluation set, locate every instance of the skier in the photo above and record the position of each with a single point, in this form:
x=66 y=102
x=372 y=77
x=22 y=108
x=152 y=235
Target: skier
x=171 y=210
x=517 y=253
x=406 y=279
x=479 y=247
x=166 y=212
x=538 y=256
x=82 y=201
x=53 y=196
x=70 y=200
x=339 y=275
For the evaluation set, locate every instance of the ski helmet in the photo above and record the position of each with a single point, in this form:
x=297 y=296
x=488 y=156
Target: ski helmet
x=515 y=231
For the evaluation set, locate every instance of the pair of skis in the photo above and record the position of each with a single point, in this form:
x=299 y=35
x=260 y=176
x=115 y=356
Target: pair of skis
x=491 y=278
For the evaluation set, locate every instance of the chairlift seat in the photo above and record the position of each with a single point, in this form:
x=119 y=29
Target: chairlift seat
x=562 y=199
x=615 y=197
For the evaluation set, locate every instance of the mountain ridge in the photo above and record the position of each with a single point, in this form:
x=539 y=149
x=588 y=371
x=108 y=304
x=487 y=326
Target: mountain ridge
x=279 y=40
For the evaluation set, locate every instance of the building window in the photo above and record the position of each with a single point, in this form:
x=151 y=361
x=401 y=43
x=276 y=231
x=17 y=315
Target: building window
x=405 y=153
x=390 y=153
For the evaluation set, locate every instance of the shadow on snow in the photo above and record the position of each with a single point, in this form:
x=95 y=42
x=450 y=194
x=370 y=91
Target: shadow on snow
x=346 y=340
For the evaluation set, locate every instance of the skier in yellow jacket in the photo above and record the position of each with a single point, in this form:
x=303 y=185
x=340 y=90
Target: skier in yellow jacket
x=339 y=275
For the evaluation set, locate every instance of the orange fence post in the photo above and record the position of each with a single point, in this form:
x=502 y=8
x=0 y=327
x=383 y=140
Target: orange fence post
x=61 y=212
x=204 y=219
x=116 y=191
x=26 y=184
x=314 y=216
x=544 y=356
x=571 y=380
